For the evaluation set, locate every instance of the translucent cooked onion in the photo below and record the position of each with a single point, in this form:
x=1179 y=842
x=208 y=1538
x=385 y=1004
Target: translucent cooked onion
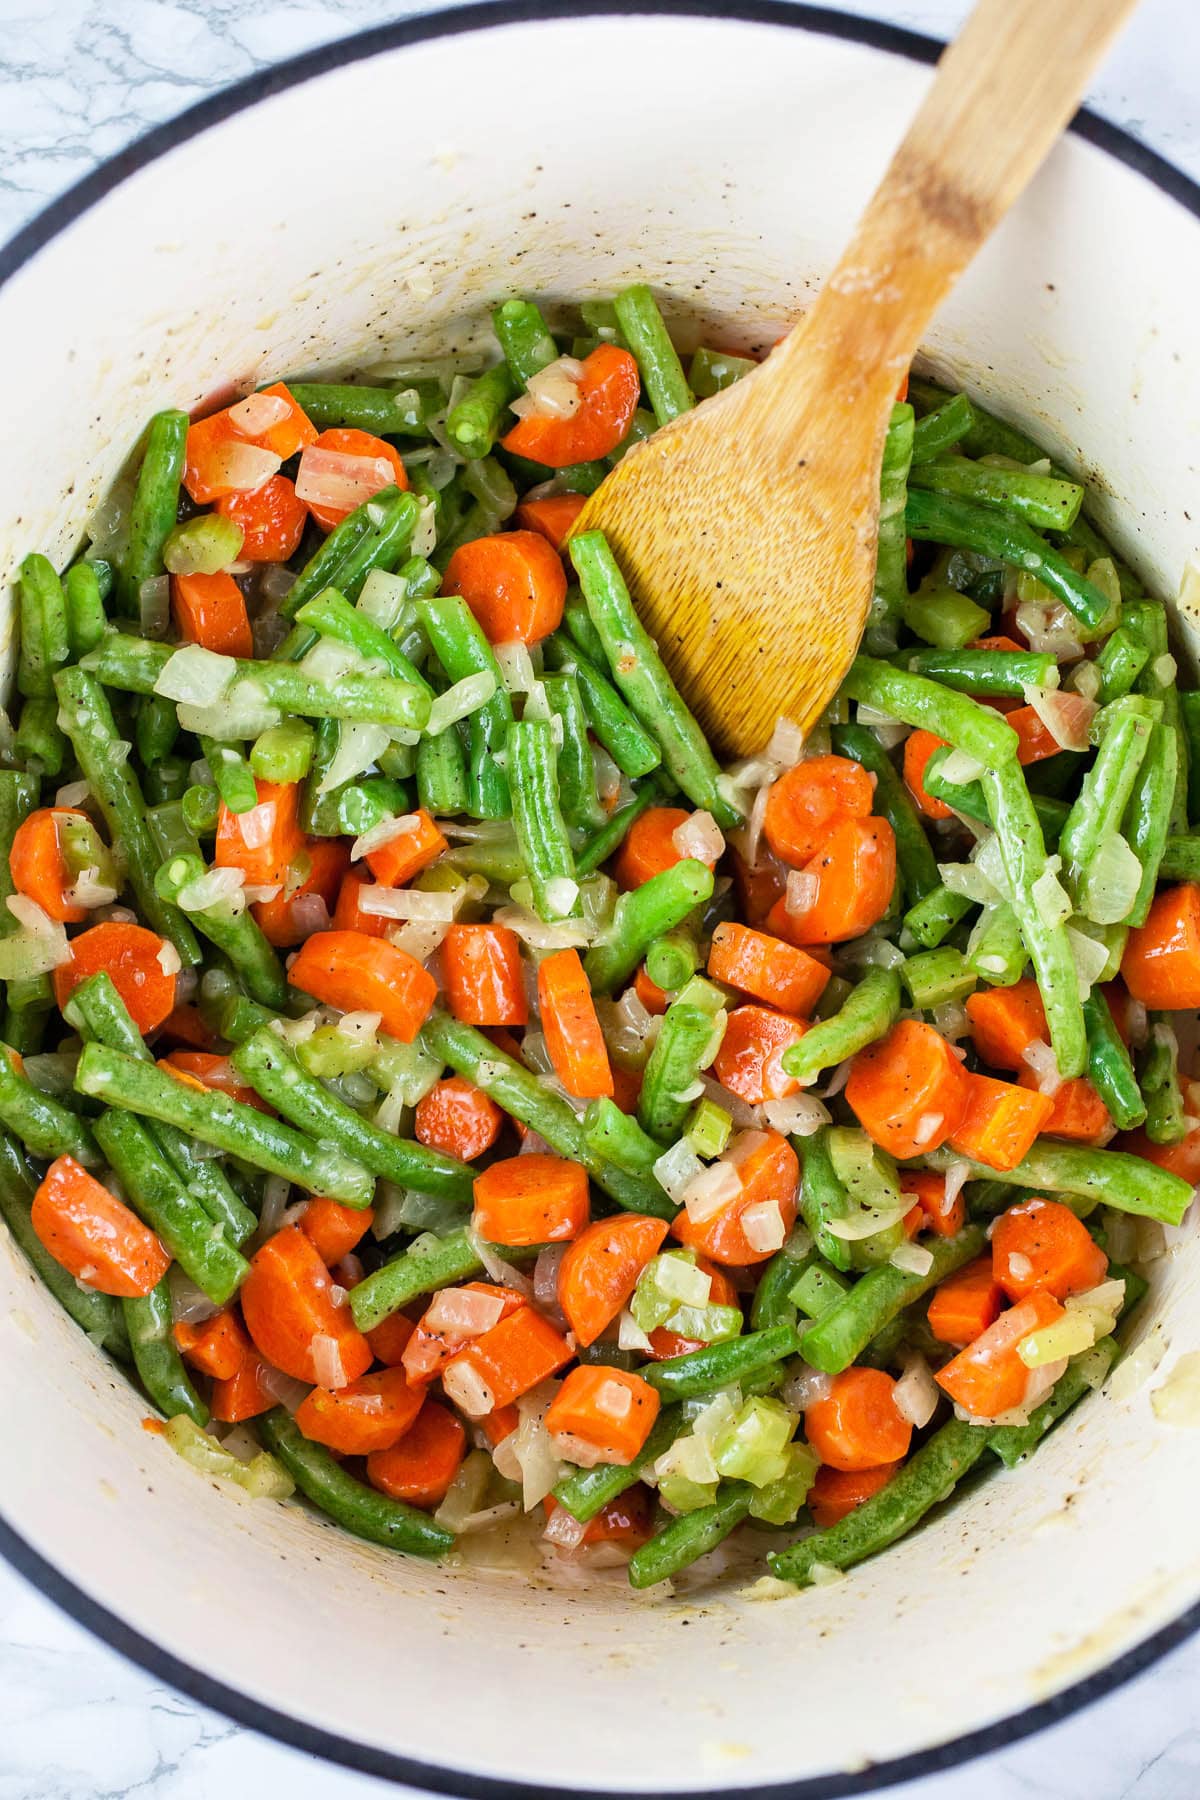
x=359 y=748
x=969 y=880
x=387 y=829
x=561 y=895
x=677 y=1168
x=216 y=887
x=798 y=1116
x=630 y=1335
x=553 y=393
x=464 y=698
x=545 y=1277
x=713 y=1188
x=957 y=1175
x=242 y=467
x=530 y=1447
x=568 y=935
x=804 y=1387
x=335 y=478
x=700 y=838
x=258 y=412
x=498 y=1269
x=958 y=767
x=763 y=1227
x=916 y=1394
x=1113 y=876
x=516 y=667
x=913 y=1259
x=1050 y=898
x=890 y=731
x=801 y=894
x=1067 y=716
x=195 y=676
x=328 y=1366
x=1052 y=630
x=1039 y=1057
x=461 y=1312
x=190 y=1305
x=380 y=902
x=1090 y=960
x=469 y=1392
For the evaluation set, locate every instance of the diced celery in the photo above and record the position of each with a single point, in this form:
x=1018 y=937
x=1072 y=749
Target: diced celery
x=262 y=1477
x=779 y=1501
x=944 y=618
x=284 y=753
x=708 y=1130
x=936 y=977
x=684 y=1496
x=752 y=1447
x=705 y=1324
x=671 y=1285
x=701 y=993
x=817 y=1290
x=681 y=1280
x=332 y=1052
x=406 y=1070
x=712 y=370
x=1065 y=1337
x=202 y=546
x=867 y=1173
x=84 y=851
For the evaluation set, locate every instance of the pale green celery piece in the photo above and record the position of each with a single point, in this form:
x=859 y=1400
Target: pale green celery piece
x=753 y=1447
x=709 y=1128
x=332 y=1052
x=779 y=1501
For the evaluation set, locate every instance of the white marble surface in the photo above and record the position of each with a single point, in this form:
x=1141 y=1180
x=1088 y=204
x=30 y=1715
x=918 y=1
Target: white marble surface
x=78 y=80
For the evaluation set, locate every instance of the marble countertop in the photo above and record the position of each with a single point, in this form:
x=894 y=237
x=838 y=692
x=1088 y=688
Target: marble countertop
x=78 y=80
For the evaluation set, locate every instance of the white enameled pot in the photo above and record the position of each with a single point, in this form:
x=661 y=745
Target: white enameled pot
x=381 y=195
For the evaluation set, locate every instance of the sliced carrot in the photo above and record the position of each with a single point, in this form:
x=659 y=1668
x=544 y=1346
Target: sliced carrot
x=38 y=866
x=1041 y=1244
x=1079 y=1113
x=600 y=1269
x=608 y=395
x=137 y=961
x=1005 y=1021
x=185 y=1024
x=627 y=1087
x=500 y=1424
x=1000 y=1123
x=749 y=1060
x=209 y=440
x=649 y=845
x=1182 y=1158
x=757 y=888
x=457 y=1118
x=406 y=854
x=531 y=1200
x=422 y=1465
x=333 y=1229
x=574 y=1039
x=966 y=1303
x=856 y=873
x=988 y=1378
x=217 y=1346
x=553 y=516
x=210 y=610
x=287 y=1304
x=513 y=583
x=95 y=1236
x=857 y=1424
x=354 y=973
x=349 y=915
x=366 y=1415
x=807 y=803
x=767 y=968
x=946 y=1220
x=627 y=1521
x=497 y=1368
x=1161 y=964
x=271 y=517
x=266 y=843
x=908 y=1091
x=285 y=921
x=242 y=1395
x=1034 y=739
x=372 y=464
x=837 y=1492
x=601 y=1415
x=770 y=1176
x=919 y=746
x=208 y=1070
x=653 y=998
x=485 y=978
x=390 y=1338
x=432 y=1345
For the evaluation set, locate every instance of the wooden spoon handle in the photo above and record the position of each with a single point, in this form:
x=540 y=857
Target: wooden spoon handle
x=1003 y=91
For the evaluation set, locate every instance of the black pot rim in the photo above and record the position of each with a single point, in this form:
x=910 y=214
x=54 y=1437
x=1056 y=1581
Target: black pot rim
x=42 y=1574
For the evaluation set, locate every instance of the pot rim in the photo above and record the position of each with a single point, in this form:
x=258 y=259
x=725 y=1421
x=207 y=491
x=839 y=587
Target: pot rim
x=113 y=1631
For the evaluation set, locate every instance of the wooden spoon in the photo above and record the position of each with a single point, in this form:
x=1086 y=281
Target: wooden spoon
x=746 y=529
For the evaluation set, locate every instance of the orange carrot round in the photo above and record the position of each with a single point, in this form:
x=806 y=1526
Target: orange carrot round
x=345 y=440
x=553 y=516
x=217 y=1346
x=348 y=914
x=1001 y=1122
x=767 y=968
x=929 y=1191
x=390 y=1338
x=134 y=959
x=855 y=873
x=649 y=845
x=406 y=854
x=208 y=1070
x=601 y=1414
x=485 y=978
x=354 y=973
x=653 y=998
x=457 y=1118
x=497 y=1368
x=1078 y=1112
x=266 y=842
x=988 y=1378
x=1161 y=964
x=531 y=1200
x=1005 y=1021
x=838 y=1492
x=1041 y=1244
x=366 y=1415
x=333 y=1229
x=272 y=521
x=608 y=395
x=38 y=867
x=287 y=1303
x=95 y=1236
x=513 y=583
x=749 y=1061
x=770 y=1175
x=908 y=1091
x=857 y=1426
x=807 y=802
x=242 y=1395
x=210 y=610
x=279 y=919
x=919 y=746
x=422 y=1465
x=574 y=1039
x=599 y=1270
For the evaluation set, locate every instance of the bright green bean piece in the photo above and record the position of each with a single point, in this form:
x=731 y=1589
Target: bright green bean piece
x=524 y=338
x=585 y=1492
x=1111 y=1177
x=711 y=371
x=461 y=648
x=1109 y=1067
x=942 y=428
x=422 y=1269
x=357 y=1508
x=1041 y=500
x=646 y=334
x=235 y=932
x=476 y=422
x=1148 y=815
x=152 y=513
x=283 y=753
x=1158 y=1078
x=999 y=672
x=149 y=1323
x=633 y=750
x=943 y=519
x=605 y=842
x=891 y=561
x=44 y=1125
x=718 y=1365
x=43 y=627
x=578 y=798
x=232 y=776
x=383 y=411
x=928 y=706
x=841 y=1335
x=541 y=831
x=97 y=1314
x=642 y=915
x=935 y=915
x=39 y=743
x=683 y=1047
x=86 y=622
x=690 y=1536
x=868 y=1014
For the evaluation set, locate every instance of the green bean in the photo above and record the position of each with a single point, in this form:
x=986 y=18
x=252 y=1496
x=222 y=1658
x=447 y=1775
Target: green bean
x=1147 y=625
x=1110 y=1070
x=518 y=1092
x=618 y=1138
x=43 y=627
x=1000 y=672
x=968 y=798
x=84 y=602
x=1120 y=662
x=461 y=648
x=607 y=840
x=1181 y=858
x=497 y=858
x=927 y=705
x=1111 y=1177
x=711 y=371
x=1023 y=851
x=442 y=772
x=421 y=1269
x=332 y=616
x=935 y=915
x=822 y=1197
x=350 y=1503
x=937 y=977
x=580 y=630
x=966 y=526
x=232 y=776
x=1107 y=785
x=690 y=1536
x=97 y=1314
x=155 y=728
x=152 y=513
x=158 y=1363
x=717 y=1365
x=167 y=780
x=891 y=560
x=265 y=1064
x=642 y=677
x=642 y=915
x=136 y=665
x=38 y=742
x=646 y=334
x=235 y=932
x=18 y=797
x=1040 y=500
x=915 y=859
x=580 y=803
x=524 y=338
x=929 y=1477
x=160 y=1198
x=383 y=411
x=537 y=819
x=1082 y=1375
x=681 y=1050
x=97 y=1011
x=1158 y=1078
x=841 y=1335
x=214 y=1118
x=942 y=428
x=868 y=1014
x=996 y=952
x=201 y=810
x=1148 y=814
x=28 y=1006
x=284 y=752
x=172 y=834
x=474 y=424
x=674 y=958
x=585 y=1492
x=633 y=750
x=374 y=536
x=44 y=1125
x=773 y=1303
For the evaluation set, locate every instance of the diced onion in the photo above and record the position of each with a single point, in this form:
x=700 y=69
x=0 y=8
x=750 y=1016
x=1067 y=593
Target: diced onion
x=802 y=891
x=700 y=838
x=500 y=1270
x=258 y=412
x=380 y=902
x=545 y=1277
x=328 y=1366
x=243 y=467
x=916 y=1394
x=805 y=1386
x=1067 y=716
x=383 y=833
x=465 y=697
x=969 y=880
x=1050 y=899
x=335 y=478
x=75 y=793
x=563 y=1529
x=677 y=1168
x=1090 y=958
x=190 y=1305
x=216 y=887
x=461 y=1312
x=561 y=895
x=530 y=1447
x=913 y=1259
x=568 y=935
x=1113 y=876
x=469 y=1391
x=553 y=393
x=713 y=1188
x=195 y=676
x=359 y=747
x=798 y=1116
x=958 y=767
x=630 y=1335
x=1039 y=1057
x=516 y=667
x=1164 y=669
x=1051 y=630
x=763 y=1227
x=890 y=731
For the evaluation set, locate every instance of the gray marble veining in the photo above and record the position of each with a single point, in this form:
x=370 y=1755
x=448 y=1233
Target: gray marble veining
x=79 y=80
